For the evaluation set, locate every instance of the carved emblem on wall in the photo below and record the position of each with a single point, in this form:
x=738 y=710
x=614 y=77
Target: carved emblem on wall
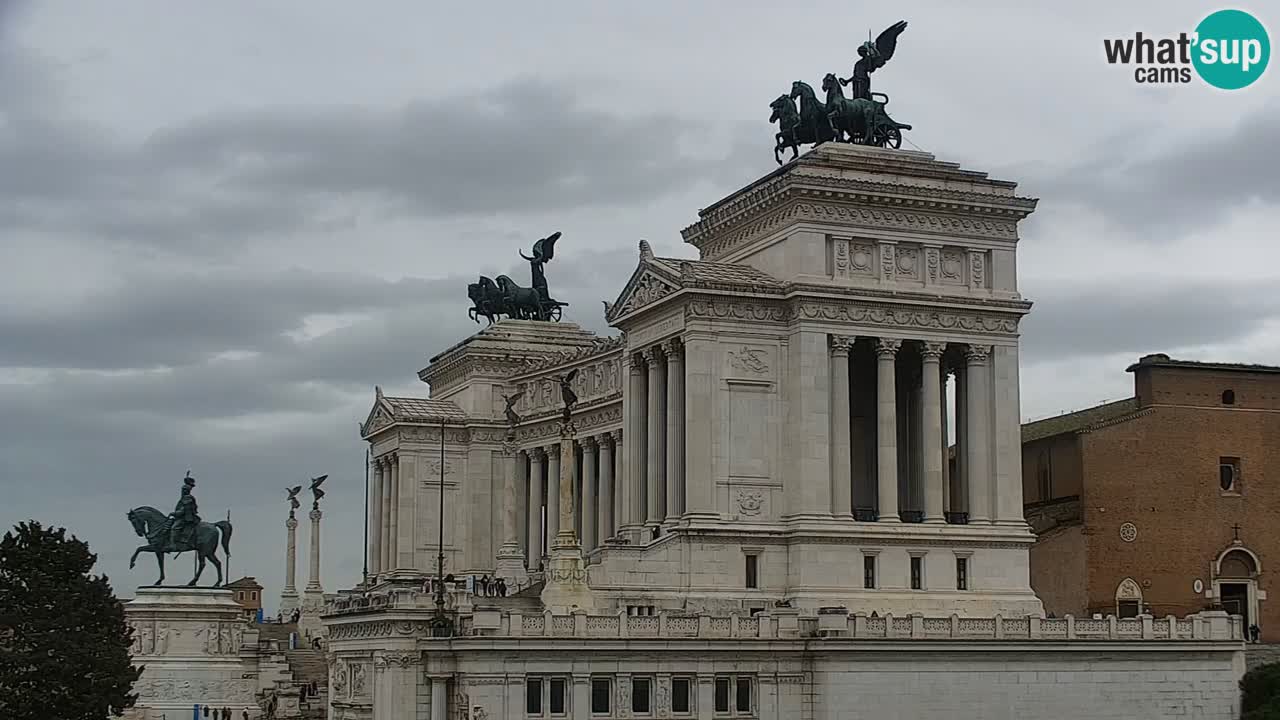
x=907 y=259
x=750 y=502
x=977 y=265
x=433 y=470
x=931 y=262
x=750 y=360
x=952 y=265
x=841 y=258
x=340 y=686
x=1128 y=532
x=358 y=671
x=1128 y=590
x=887 y=260
x=862 y=257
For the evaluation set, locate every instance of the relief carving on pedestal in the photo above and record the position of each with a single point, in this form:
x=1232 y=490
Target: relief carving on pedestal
x=358 y=671
x=751 y=360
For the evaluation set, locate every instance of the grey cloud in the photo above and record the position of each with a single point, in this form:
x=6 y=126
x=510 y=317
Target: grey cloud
x=1161 y=192
x=1080 y=320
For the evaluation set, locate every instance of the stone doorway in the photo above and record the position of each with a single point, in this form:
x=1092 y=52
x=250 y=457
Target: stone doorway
x=1235 y=600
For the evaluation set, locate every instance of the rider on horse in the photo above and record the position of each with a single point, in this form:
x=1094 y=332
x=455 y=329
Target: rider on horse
x=184 y=520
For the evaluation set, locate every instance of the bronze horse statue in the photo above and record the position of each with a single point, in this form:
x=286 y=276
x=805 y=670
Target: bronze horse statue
x=153 y=525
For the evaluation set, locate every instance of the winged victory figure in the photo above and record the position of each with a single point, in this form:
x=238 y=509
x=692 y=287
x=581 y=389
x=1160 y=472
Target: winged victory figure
x=513 y=418
x=293 y=497
x=316 y=491
x=873 y=57
x=567 y=395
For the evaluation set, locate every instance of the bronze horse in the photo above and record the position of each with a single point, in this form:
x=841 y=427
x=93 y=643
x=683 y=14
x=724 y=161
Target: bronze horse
x=153 y=525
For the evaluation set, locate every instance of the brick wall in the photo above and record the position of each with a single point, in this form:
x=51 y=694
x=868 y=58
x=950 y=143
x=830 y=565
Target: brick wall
x=1061 y=455
x=1058 y=567
x=1160 y=472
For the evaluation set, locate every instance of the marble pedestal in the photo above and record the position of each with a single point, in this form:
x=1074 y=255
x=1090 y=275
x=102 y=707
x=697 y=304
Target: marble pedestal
x=190 y=642
x=566 y=588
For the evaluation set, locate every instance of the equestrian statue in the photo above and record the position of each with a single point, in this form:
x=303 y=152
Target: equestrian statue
x=181 y=531
x=860 y=118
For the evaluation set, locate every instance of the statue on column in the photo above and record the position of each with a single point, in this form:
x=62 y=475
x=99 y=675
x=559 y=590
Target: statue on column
x=293 y=498
x=567 y=395
x=513 y=418
x=316 y=492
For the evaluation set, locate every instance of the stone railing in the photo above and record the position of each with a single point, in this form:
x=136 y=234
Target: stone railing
x=399 y=599
x=1208 y=625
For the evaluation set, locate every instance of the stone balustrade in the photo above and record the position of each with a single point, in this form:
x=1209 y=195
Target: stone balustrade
x=1211 y=625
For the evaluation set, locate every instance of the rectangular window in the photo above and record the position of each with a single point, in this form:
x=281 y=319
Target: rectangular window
x=557 y=696
x=1128 y=609
x=533 y=696
x=600 y=694
x=917 y=573
x=680 y=695
x=869 y=572
x=744 y=694
x=962 y=573
x=1229 y=474
x=753 y=578
x=640 y=695
x=253 y=595
x=722 y=694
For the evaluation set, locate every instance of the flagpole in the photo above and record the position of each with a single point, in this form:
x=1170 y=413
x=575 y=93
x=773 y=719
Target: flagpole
x=366 y=519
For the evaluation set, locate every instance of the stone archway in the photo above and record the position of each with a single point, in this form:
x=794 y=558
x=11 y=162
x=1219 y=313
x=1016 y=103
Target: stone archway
x=1128 y=598
x=1235 y=582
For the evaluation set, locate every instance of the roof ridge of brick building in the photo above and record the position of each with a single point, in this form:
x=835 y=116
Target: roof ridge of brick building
x=1080 y=420
x=1163 y=360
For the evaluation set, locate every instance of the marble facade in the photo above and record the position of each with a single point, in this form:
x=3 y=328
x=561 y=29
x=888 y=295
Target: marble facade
x=764 y=445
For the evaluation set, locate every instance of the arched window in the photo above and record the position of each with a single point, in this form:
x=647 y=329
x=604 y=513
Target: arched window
x=1237 y=564
x=1228 y=397
x=1128 y=598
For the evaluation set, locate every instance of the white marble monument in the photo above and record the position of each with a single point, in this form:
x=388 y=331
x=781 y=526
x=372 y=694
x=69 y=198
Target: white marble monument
x=197 y=649
x=757 y=488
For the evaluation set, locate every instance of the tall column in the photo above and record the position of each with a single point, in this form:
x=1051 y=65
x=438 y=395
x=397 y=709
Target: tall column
x=375 y=521
x=978 y=412
x=841 y=455
x=289 y=596
x=946 y=442
x=655 y=475
x=384 y=463
x=675 y=429
x=960 y=483
x=510 y=561
x=632 y=486
x=394 y=554
x=931 y=439
x=534 y=550
x=590 y=494
x=887 y=428
x=440 y=698
x=605 y=501
x=554 y=481
x=313 y=581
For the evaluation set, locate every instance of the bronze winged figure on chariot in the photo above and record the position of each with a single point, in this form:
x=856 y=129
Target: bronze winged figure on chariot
x=860 y=118
x=493 y=298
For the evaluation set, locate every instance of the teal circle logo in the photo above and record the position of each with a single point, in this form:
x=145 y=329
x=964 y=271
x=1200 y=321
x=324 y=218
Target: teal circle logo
x=1232 y=49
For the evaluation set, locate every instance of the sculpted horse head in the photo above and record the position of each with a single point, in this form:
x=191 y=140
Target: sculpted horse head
x=784 y=112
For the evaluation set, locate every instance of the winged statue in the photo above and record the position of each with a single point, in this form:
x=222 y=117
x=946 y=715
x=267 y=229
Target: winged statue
x=873 y=57
x=513 y=418
x=293 y=497
x=316 y=492
x=544 y=249
x=567 y=395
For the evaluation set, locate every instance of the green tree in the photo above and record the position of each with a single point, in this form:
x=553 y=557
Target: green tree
x=64 y=644
x=1260 y=691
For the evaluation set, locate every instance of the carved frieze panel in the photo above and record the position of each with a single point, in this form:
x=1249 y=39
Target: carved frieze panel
x=594 y=381
x=908 y=318
x=977 y=269
x=749 y=361
x=907 y=263
x=851 y=258
x=952 y=268
x=646 y=290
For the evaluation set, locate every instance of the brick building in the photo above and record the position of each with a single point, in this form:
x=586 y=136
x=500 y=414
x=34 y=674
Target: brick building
x=1163 y=503
x=248 y=594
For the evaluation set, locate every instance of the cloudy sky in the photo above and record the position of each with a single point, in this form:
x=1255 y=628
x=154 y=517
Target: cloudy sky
x=221 y=224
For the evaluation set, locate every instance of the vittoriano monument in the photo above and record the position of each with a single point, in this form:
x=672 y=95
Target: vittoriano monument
x=859 y=118
x=493 y=299
x=181 y=531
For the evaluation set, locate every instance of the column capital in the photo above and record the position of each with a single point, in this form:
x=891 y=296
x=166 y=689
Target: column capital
x=887 y=346
x=840 y=344
x=588 y=443
x=616 y=435
x=653 y=355
x=536 y=453
x=976 y=354
x=673 y=347
x=932 y=350
x=635 y=362
x=315 y=515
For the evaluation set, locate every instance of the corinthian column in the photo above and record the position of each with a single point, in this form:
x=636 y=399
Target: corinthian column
x=536 y=457
x=656 y=474
x=554 y=507
x=887 y=428
x=605 y=501
x=931 y=442
x=590 y=494
x=289 y=596
x=978 y=428
x=375 y=521
x=675 y=430
x=313 y=582
x=841 y=455
x=384 y=547
x=393 y=554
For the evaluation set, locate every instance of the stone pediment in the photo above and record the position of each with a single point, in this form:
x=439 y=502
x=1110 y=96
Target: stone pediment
x=388 y=411
x=657 y=277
